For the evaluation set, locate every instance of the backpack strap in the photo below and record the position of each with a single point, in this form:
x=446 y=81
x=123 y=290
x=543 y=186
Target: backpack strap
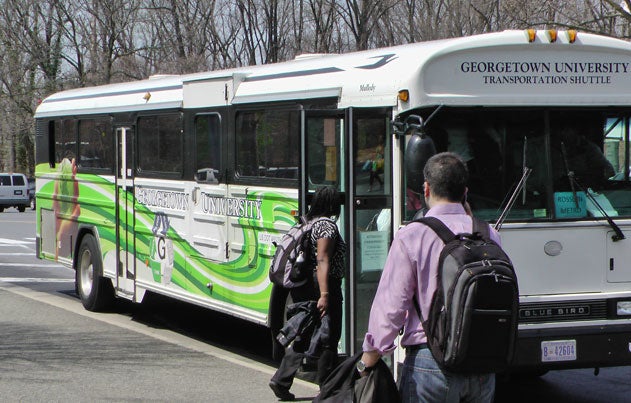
x=444 y=233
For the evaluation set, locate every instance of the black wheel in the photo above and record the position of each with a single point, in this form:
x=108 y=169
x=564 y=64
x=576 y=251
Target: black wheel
x=95 y=291
x=1 y=209
x=21 y=208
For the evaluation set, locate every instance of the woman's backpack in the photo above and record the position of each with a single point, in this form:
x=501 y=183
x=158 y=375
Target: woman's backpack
x=292 y=265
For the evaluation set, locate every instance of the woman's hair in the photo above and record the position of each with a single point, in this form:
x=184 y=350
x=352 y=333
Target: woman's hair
x=325 y=203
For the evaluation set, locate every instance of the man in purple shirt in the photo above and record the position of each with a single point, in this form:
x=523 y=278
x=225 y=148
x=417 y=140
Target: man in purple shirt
x=411 y=270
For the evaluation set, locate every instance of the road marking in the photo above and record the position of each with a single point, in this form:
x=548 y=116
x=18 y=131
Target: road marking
x=8 y=241
x=35 y=280
x=17 y=254
x=29 y=265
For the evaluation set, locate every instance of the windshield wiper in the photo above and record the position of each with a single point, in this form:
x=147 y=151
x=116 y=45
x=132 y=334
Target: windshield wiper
x=618 y=236
x=520 y=185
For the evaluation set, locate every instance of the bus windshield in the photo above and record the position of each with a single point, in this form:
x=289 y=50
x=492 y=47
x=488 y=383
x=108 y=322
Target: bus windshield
x=579 y=160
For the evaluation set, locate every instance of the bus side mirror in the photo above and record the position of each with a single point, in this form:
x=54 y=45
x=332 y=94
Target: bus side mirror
x=419 y=149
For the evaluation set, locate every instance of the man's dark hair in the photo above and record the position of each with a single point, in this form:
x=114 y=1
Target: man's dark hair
x=325 y=203
x=447 y=176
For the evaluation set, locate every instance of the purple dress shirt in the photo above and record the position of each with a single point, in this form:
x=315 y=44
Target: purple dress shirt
x=411 y=269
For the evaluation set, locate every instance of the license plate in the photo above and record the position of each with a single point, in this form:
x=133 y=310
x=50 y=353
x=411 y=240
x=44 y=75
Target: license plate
x=558 y=350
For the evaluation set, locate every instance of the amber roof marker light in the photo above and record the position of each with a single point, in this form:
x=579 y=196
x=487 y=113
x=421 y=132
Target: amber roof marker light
x=532 y=34
x=552 y=35
x=404 y=95
x=571 y=35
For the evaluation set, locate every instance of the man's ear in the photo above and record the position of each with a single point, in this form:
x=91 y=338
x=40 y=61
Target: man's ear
x=426 y=190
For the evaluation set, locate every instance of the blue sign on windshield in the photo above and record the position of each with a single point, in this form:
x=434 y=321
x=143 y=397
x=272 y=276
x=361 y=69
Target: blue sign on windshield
x=568 y=206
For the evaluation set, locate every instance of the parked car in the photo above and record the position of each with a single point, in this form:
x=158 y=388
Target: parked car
x=14 y=191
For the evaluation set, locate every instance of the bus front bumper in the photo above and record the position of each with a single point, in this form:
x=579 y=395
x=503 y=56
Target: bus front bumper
x=573 y=347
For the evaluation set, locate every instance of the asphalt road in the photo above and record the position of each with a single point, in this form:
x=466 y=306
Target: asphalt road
x=51 y=349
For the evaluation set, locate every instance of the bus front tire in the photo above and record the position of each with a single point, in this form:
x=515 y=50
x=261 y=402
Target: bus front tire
x=95 y=291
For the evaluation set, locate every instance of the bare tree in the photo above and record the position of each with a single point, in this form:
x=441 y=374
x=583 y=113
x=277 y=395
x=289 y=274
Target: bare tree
x=30 y=65
x=48 y=45
x=362 y=16
x=182 y=34
x=322 y=17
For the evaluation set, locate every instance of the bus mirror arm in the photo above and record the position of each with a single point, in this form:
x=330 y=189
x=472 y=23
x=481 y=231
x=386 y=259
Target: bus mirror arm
x=513 y=198
x=412 y=122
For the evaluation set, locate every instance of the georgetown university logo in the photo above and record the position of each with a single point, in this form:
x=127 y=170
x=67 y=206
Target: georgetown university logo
x=161 y=250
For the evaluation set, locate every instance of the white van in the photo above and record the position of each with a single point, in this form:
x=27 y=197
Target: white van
x=14 y=191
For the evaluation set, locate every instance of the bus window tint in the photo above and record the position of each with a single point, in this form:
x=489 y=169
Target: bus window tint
x=372 y=159
x=96 y=145
x=65 y=139
x=569 y=153
x=496 y=146
x=160 y=144
x=323 y=145
x=267 y=144
x=616 y=147
x=207 y=147
x=589 y=157
x=577 y=142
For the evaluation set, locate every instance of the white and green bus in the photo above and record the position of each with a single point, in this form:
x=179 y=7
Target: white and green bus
x=179 y=185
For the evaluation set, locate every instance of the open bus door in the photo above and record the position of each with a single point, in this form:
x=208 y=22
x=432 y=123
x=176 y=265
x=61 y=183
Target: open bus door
x=369 y=210
x=352 y=152
x=125 y=240
x=335 y=149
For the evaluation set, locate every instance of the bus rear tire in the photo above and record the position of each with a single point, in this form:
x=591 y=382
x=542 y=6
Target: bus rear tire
x=95 y=291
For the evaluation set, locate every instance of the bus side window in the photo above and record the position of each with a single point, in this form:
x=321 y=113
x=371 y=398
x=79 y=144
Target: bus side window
x=96 y=147
x=208 y=148
x=51 y=143
x=65 y=139
x=160 y=144
x=267 y=144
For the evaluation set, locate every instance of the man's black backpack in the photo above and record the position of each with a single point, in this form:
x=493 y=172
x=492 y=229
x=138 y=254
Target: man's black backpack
x=291 y=265
x=472 y=322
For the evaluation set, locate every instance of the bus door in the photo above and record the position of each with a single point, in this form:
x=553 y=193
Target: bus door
x=125 y=261
x=323 y=163
x=370 y=188
x=352 y=152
